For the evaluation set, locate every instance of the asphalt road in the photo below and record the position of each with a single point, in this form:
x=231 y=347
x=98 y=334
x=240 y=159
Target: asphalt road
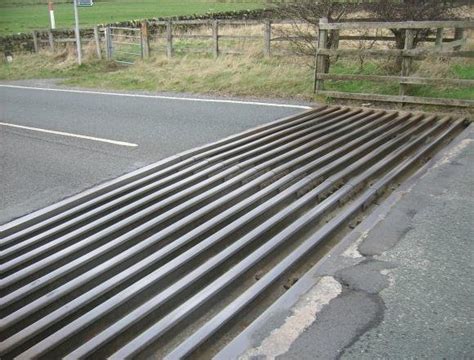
x=409 y=296
x=39 y=168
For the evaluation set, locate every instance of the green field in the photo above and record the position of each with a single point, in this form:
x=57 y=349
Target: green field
x=25 y=15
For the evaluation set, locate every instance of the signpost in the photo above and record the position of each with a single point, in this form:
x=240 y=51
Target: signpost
x=51 y=15
x=78 y=35
x=76 y=18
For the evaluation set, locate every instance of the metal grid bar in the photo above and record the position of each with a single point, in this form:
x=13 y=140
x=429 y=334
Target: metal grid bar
x=186 y=230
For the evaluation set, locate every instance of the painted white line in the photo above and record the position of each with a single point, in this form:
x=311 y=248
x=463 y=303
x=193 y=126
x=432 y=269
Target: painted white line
x=114 y=142
x=157 y=97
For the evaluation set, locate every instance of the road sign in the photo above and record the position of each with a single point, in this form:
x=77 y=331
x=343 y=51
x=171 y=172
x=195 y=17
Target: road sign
x=77 y=32
x=85 y=2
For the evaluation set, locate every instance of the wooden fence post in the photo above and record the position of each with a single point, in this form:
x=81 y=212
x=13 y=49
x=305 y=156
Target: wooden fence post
x=335 y=39
x=97 y=42
x=108 y=43
x=321 y=60
x=458 y=35
x=439 y=38
x=267 y=38
x=51 y=40
x=169 y=39
x=35 y=41
x=215 y=37
x=145 y=40
x=407 y=60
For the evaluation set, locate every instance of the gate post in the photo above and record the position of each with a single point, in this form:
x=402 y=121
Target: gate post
x=321 y=60
x=407 y=60
x=145 y=40
x=108 y=43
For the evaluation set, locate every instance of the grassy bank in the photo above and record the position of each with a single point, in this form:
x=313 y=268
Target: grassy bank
x=243 y=76
x=236 y=76
x=26 y=15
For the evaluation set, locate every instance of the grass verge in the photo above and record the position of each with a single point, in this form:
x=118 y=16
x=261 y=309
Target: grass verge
x=242 y=76
x=228 y=75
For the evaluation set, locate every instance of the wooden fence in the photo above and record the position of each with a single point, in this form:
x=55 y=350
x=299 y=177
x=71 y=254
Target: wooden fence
x=153 y=31
x=52 y=39
x=410 y=53
x=167 y=31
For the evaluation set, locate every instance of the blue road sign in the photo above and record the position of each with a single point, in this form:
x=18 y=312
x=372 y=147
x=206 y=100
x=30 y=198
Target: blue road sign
x=85 y=2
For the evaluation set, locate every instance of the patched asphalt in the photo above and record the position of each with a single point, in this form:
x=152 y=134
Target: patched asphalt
x=429 y=304
x=410 y=295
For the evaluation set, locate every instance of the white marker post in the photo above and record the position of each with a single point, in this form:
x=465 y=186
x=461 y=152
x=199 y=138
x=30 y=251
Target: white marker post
x=51 y=15
x=78 y=34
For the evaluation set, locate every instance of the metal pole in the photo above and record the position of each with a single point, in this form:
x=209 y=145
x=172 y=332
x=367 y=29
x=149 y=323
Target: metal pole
x=78 y=35
x=51 y=40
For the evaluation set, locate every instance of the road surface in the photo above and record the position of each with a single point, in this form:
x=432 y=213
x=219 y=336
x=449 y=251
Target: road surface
x=54 y=144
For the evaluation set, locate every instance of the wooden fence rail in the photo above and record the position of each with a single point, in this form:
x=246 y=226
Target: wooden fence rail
x=38 y=39
x=170 y=35
x=441 y=49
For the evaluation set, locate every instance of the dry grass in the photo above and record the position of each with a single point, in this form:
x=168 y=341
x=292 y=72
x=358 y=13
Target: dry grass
x=248 y=46
x=248 y=75
x=58 y=64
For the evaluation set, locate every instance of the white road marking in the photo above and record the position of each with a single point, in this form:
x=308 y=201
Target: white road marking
x=121 y=143
x=157 y=97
